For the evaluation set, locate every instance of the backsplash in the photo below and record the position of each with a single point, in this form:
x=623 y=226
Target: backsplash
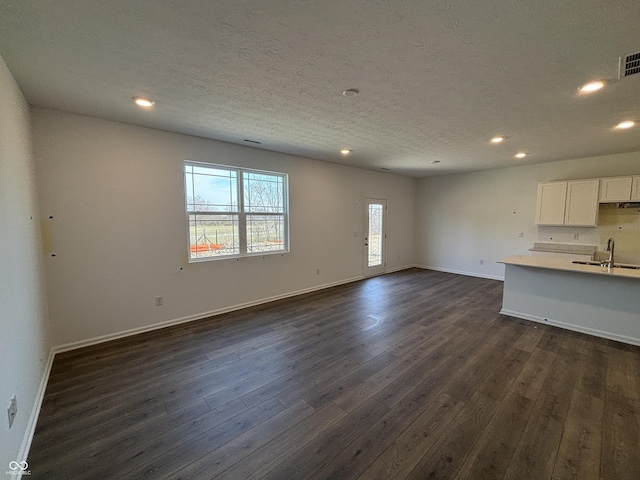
x=621 y=224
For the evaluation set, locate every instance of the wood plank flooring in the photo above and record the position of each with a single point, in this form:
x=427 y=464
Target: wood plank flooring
x=411 y=375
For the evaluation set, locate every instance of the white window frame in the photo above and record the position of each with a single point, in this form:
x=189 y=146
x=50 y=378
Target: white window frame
x=241 y=212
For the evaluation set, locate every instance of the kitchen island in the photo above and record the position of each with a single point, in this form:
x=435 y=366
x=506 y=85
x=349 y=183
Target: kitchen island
x=586 y=298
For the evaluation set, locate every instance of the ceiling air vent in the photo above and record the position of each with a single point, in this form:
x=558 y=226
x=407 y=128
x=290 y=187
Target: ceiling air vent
x=629 y=65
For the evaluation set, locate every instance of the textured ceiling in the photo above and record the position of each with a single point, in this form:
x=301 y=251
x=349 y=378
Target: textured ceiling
x=437 y=79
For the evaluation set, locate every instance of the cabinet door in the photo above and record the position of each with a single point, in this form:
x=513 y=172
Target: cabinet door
x=635 y=190
x=582 y=203
x=615 y=189
x=551 y=202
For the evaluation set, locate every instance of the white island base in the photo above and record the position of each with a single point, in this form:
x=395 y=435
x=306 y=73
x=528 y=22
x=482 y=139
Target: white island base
x=583 y=298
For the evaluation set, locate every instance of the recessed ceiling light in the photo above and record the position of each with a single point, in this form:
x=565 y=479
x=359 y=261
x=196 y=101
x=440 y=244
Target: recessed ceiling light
x=521 y=155
x=592 y=86
x=625 y=124
x=345 y=151
x=497 y=139
x=350 y=92
x=143 y=102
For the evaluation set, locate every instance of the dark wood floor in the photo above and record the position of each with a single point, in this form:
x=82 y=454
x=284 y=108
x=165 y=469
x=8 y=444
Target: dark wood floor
x=409 y=375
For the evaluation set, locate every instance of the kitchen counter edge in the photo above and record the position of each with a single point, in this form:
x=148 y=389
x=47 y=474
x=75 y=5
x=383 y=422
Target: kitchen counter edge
x=566 y=265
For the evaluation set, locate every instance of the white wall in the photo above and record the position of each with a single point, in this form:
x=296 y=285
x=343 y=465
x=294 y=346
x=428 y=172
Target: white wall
x=24 y=344
x=118 y=231
x=465 y=218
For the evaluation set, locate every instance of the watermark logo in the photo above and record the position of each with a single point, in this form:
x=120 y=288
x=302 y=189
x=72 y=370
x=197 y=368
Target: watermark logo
x=18 y=468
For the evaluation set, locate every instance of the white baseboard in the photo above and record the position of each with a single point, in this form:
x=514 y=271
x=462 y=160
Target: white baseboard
x=190 y=318
x=575 y=328
x=35 y=410
x=460 y=272
x=399 y=269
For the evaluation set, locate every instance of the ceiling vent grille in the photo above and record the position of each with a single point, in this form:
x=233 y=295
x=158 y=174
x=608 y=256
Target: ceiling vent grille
x=629 y=65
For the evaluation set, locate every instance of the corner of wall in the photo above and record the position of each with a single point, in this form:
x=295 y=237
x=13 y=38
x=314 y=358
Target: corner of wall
x=25 y=343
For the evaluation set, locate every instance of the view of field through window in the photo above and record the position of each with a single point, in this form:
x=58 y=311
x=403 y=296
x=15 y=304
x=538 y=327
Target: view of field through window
x=233 y=211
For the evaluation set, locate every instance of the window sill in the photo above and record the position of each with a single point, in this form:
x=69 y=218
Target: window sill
x=238 y=257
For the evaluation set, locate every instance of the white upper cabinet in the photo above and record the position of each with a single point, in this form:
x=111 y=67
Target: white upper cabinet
x=616 y=189
x=635 y=189
x=551 y=202
x=581 y=208
x=570 y=203
x=575 y=202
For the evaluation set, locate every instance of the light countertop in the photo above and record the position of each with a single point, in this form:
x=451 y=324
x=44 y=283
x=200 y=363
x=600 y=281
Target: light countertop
x=566 y=265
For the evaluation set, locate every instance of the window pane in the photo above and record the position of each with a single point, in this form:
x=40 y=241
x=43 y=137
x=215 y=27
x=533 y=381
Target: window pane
x=211 y=189
x=375 y=235
x=213 y=235
x=263 y=193
x=265 y=233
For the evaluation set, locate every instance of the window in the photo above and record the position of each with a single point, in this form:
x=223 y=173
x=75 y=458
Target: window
x=235 y=211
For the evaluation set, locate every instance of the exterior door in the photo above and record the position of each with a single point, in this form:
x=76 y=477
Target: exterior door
x=374 y=237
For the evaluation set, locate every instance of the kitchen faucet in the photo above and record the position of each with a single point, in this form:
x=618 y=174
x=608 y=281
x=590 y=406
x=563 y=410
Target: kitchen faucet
x=610 y=246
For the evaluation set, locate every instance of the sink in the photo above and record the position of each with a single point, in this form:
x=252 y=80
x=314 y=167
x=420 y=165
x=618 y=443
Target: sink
x=606 y=264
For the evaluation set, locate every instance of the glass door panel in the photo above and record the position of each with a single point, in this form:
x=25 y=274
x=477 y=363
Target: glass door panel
x=374 y=262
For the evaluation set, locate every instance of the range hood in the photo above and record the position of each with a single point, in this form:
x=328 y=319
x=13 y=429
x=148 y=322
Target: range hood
x=629 y=205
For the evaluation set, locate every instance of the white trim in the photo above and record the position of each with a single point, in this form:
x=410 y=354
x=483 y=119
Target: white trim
x=459 y=272
x=399 y=269
x=197 y=316
x=573 y=327
x=35 y=411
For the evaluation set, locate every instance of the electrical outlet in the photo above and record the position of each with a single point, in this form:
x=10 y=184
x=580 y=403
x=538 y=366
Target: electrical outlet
x=481 y=262
x=159 y=301
x=317 y=271
x=12 y=411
